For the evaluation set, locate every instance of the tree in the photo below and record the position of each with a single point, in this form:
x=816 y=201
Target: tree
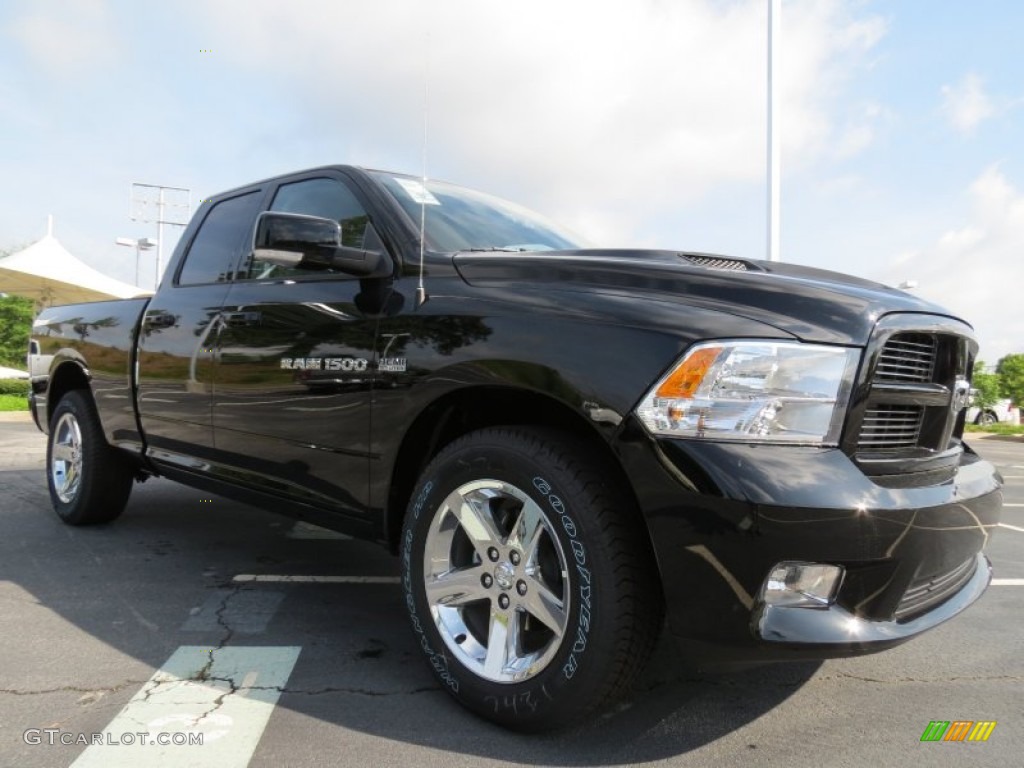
x=986 y=386
x=1011 y=377
x=16 y=313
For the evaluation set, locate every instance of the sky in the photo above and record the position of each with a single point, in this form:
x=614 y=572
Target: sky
x=633 y=122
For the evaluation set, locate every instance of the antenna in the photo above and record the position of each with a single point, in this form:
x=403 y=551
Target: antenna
x=421 y=291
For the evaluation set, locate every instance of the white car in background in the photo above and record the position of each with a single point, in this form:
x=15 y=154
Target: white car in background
x=1002 y=411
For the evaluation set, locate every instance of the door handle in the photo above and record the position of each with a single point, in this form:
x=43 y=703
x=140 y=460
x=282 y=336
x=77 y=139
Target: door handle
x=159 y=320
x=241 y=318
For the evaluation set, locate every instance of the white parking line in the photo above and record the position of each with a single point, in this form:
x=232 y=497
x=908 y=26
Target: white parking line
x=1008 y=582
x=227 y=702
x=1013 y=505
x=286 y=579
x=1011 y=527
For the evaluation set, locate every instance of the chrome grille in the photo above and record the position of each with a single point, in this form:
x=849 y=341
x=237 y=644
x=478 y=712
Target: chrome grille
x=904 y=420
x=926 y=593
x=907 y=358
x=890 y=428
x=716 y=262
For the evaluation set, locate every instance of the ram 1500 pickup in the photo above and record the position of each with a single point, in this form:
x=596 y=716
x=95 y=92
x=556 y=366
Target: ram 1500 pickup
x=567 y=448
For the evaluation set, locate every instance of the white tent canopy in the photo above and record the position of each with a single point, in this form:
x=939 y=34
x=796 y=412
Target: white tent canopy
x=47 y=273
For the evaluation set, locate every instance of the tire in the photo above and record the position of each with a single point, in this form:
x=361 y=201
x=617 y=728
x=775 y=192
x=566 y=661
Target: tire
x=89 y=481
x=528 y=578
x=986 y=418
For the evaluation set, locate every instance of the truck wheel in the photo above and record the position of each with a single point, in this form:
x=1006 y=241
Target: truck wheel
x=987 y=418
x=89 y=481
x=528 y=578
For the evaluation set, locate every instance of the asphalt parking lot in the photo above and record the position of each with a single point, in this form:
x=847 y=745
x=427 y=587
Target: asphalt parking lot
x=102 y=628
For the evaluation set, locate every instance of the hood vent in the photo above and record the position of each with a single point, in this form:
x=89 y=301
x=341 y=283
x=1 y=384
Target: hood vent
x=715 y=262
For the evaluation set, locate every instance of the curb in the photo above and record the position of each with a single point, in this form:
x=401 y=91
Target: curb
x=16 y=416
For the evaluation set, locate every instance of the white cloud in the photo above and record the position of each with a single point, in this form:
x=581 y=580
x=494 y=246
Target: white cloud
x=855 y=136
x=587 y=109
x=966 y=104
x=67 y=39
x=977 y=269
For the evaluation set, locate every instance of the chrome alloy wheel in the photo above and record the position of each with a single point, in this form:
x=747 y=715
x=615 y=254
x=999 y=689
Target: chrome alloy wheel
x=66 y=458
x=496 y=581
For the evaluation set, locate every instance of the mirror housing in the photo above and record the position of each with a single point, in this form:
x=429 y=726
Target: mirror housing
x=297 y=241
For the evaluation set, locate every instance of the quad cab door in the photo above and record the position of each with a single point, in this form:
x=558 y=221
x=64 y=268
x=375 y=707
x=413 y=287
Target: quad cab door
x=178 y=335
x=291 y=407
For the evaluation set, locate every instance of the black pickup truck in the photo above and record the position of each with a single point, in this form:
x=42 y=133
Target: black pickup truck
x=567 y=448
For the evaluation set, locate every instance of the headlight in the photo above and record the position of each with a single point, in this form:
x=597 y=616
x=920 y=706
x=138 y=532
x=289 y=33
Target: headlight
x=760 y=391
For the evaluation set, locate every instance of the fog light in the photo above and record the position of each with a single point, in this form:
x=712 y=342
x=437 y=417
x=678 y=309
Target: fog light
x=804 y=585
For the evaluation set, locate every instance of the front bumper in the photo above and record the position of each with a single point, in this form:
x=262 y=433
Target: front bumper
x=722 y=515
x=835 y=626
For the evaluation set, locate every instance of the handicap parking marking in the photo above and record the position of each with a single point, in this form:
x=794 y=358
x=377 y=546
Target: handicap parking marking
x=211 y=705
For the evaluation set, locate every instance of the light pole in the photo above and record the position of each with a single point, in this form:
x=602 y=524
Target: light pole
x=774 y=134
x=163 y=205
x=141 y=244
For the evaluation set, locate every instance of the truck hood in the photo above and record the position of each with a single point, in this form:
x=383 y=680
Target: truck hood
x=811 y=304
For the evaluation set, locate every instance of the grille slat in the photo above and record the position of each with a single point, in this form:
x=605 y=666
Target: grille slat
x=907 y=357
x=891 y=427
x=925 y=593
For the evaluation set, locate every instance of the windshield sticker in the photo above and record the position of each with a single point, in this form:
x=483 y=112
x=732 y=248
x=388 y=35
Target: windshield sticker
x=418 y=192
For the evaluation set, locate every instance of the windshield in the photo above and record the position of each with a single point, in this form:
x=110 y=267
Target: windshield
x=460 y=219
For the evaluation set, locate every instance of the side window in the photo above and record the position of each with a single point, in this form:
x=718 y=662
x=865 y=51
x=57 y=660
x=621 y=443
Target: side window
x=327 y=198
x=216 y=246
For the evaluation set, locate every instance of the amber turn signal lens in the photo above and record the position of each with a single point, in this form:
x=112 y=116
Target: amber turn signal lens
x=684 y=380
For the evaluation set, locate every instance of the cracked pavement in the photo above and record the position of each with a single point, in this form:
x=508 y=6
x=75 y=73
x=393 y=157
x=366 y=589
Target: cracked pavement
x=88 y=617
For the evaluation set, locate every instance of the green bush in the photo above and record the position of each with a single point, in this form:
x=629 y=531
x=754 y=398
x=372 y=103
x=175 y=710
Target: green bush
x=16 y=314
x=13 y=403
x=995 y=429
x=14 y=387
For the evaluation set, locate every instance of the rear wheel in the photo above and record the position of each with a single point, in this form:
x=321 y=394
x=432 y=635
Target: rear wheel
x=527 y=578
x=986 y=418
x=89 y=481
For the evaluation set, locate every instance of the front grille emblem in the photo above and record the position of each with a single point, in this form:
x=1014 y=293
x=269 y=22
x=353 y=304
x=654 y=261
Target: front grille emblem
x=961 y=394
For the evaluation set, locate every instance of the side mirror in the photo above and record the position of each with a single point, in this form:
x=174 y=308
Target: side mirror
x=294 y=240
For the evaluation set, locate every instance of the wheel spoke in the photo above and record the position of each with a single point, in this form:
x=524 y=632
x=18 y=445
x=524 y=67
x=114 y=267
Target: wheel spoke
x=456 y=587
x=475 y=519
x=526 y=533
x=62 y=452
x=544 y=606
x=70 y=476
x=502 y=643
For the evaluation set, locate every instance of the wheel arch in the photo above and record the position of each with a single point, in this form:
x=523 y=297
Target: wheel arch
x=472 y=408
x=986 y=413
x=66 y=375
